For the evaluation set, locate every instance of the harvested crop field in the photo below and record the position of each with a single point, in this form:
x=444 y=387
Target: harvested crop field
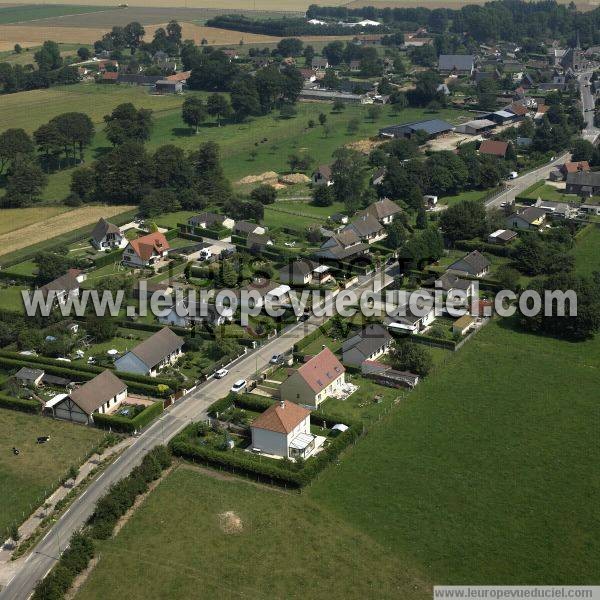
x=222 y=5
x=441 y=3
x=33 y=233
x=36 y=34
x=144 y=15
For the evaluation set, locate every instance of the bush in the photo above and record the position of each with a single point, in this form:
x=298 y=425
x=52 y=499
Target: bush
x=73 y=561
x=125 y=425
x=121 y=496
x=28 y=406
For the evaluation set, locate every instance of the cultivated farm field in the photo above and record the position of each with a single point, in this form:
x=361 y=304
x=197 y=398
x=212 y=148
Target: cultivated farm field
x=18 y=235
x=234 y=539
x=24 y=479
x=16 y=13
x=12 y=219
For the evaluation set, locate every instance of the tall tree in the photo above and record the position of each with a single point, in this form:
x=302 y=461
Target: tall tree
x=24 y=183
x=127 y=123
x=134 y=33
x=14 y=142
x=218 y=106
x=193 y=111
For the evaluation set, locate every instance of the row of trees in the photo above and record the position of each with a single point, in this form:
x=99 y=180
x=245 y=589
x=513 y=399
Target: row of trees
x=131 y=37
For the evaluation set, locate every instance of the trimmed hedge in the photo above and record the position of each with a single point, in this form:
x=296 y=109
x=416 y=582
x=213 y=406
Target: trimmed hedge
x=28 y=406
x=90 y=369
x=125 y=425
x=121 y=496
x=108 y=258
x=264 y=468
x=132 y=383
x=247 y=463
x=18 y=277
x=72 y=562
x=470 y=245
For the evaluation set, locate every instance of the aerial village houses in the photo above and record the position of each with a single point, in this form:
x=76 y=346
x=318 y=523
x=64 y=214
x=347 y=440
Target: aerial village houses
x=502 y=237
x=434 y=128
x=527 y=218
x=283 y=430
x=315 y=380
x=106 y=236
x=304 y=272
x=160 y=350
x=102 y=394
x=322 y=176
x=146 y=251
x=583 y=183
x=368 y=344
x=64 y=287
x=383 y=210
x=367 y=228
x=342 y=246
x=456 y=64
x=474 y=264
x=207 y=220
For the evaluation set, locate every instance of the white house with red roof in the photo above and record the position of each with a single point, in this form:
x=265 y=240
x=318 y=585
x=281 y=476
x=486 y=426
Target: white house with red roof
x=284 y=430
x=316 y=380
x=146 y=251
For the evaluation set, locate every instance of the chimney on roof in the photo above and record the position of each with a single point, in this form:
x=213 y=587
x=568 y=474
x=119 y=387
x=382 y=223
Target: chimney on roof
x=322 y=346
x=282 y=404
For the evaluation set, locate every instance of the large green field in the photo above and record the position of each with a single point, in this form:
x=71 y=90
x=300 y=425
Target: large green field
x=487 y=473
x=261 y=144
x=177 y=545
x=27 y=478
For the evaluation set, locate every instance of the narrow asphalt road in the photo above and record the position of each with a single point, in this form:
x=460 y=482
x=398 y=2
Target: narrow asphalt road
x=191 y=407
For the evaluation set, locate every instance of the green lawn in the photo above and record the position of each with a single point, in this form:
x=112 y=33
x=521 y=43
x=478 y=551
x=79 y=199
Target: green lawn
x=288 y=547
x=548 y=192
x=487 y=472
x=27 y=478
x=11 y=298
x=471 y=195
x=587 y=251
x=33 y=12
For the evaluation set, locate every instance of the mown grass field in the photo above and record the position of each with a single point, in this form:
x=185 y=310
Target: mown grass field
x=31 y=109
x=288 y=547
x=487 y=472
x=25 y=478
x=587 y=251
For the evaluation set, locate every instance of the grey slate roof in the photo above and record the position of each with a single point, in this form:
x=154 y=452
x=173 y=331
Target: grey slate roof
x=365 y=225
x=93 y=394
x=456 y=62
x=368 y=341
x=103 y=227
x=431 y=127
x=476 y=261
x=209 y=218
x=590 y=178
x=157 y=347
x=27 y=374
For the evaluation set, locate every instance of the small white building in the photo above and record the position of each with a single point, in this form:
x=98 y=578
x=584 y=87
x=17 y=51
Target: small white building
x=102 y=394
x=283 y=430
x=107 y=236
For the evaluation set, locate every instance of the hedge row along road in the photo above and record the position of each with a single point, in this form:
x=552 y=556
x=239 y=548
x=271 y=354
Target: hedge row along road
x=191 y=407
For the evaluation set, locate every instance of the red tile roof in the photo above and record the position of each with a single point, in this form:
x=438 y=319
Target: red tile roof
x=518 y=109
x=494 y=147
x=183 y=76
x=321 y=370
x=573 y=167
x=281 y=417
x=146 y=245
x=110 y=76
